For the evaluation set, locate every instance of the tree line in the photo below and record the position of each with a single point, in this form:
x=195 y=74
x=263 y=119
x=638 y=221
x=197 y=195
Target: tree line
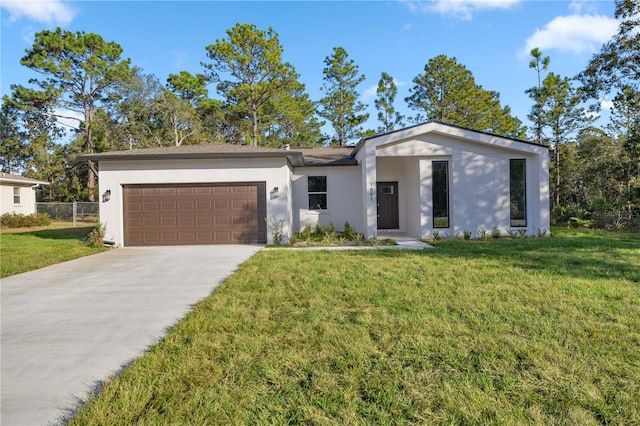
x=260 y=101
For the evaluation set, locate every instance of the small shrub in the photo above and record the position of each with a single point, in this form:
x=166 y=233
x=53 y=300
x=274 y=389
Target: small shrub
x=331 y=228
x=17 y=220
x=319 y=228
x=349 y=232
x=511 y=232
x=96 y=236
x=483 y=233
x=466 y=234
x=522 y=233
x=542 y=232
x=305 y=234
x=276 y=226
x=328 y=238
x=495 y=233
x=293 y=239
x=436 y=236
x=358 y=239
x=577 y=222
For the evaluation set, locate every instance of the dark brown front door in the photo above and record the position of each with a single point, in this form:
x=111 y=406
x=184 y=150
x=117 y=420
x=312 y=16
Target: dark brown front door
x=388 y=205
x=182 y=214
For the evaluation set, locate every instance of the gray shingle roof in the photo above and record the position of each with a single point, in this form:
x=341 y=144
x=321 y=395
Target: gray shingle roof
x=298 y=156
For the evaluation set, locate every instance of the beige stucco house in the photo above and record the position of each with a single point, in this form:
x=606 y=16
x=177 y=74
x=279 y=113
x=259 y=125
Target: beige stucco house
x=425 y=178
x=17 y=194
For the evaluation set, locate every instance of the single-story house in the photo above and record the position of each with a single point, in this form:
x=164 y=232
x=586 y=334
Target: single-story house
x=414 y=181
x=17 y=194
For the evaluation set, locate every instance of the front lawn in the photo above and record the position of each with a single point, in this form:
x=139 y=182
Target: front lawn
x=26 y=250
x=536 y=331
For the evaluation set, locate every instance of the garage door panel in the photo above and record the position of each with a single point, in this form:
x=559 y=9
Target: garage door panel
x=228 y=213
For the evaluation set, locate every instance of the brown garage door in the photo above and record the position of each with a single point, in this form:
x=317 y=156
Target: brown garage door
x=182 y=214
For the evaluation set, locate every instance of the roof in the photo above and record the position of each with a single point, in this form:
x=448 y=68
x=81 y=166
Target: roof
x=297 y=156
x=362 y=141
x=327 y=156
x=20 y=180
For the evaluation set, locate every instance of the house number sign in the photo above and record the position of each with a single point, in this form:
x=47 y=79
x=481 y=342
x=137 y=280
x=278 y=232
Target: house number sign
x=371 y=191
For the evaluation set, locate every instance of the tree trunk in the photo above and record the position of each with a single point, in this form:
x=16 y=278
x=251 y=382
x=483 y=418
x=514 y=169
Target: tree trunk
x=557 y=173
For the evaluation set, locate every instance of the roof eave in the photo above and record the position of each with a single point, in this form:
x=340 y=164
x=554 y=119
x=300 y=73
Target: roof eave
x=293 y=157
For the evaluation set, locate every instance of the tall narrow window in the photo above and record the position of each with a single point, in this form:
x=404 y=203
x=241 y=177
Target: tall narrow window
x=317 y=189
x=518 y=192
x=16 y=195
x=440 y=170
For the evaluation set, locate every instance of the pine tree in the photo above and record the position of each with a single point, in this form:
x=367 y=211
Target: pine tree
x=340 y=105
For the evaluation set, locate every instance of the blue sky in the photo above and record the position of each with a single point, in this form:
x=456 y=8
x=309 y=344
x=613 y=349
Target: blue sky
x=491 y=38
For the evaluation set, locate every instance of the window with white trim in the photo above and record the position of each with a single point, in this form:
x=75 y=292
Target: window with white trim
x=16 y=195
x=317 y=190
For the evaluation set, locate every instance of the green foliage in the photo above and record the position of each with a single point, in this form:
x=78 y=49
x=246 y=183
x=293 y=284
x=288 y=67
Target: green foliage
x=95 y=238
x=340 y=105
x=275 y=226
x=81 y=71
x=23 y=252
x=263 y=95
x=617 y=65
x=349 y=232
x=539 y=64
x=305 y=234
x=537 y=331
x=447 y=92
x=436 y=236
x=578 y=222
x=483 y=233
x=386 y=93
x=319 y=229
x=543 y=232
x=467 y=234
x=17 y=220
x=330 y=228
x=495 y=233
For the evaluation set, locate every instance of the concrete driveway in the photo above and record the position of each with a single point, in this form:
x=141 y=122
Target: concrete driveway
x=67 y=327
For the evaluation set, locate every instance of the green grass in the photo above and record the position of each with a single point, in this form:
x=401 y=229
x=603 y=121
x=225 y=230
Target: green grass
x=26 y=251
x=536 y=331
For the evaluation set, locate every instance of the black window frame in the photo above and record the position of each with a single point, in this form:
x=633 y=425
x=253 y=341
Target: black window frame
x=439 y=203
x=518 y=201
x=317 y=191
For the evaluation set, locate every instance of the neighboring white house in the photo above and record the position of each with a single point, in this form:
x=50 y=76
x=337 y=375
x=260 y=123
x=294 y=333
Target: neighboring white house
x=425 y=178
x=17 y=194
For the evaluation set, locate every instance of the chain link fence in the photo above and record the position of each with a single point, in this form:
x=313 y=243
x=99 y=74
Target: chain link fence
x=70 y=212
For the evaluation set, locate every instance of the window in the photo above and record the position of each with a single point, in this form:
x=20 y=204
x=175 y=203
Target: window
x=317 y=192
x=16 y=195
x=518 y=192
x=440 y=170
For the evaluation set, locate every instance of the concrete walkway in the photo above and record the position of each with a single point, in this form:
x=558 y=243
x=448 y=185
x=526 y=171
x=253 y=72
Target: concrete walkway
x=67 y=327
x=402 y=243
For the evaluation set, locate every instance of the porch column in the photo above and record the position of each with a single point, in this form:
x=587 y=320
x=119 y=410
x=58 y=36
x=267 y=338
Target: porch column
x=370 y=195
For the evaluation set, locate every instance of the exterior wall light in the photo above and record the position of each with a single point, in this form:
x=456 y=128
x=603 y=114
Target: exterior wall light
x=274 y=192
x=106 y=196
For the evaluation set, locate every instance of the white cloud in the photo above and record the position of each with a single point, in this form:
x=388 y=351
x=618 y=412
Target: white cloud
x=50 y=12
x=573 y=33
x=605 y=104
x=459 y=9
x=583 y=6
x=69 y=119
x=371 y=92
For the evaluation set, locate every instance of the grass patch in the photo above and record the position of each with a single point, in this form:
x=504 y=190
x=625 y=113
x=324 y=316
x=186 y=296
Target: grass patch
x=28 y=250
x=542 y=331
